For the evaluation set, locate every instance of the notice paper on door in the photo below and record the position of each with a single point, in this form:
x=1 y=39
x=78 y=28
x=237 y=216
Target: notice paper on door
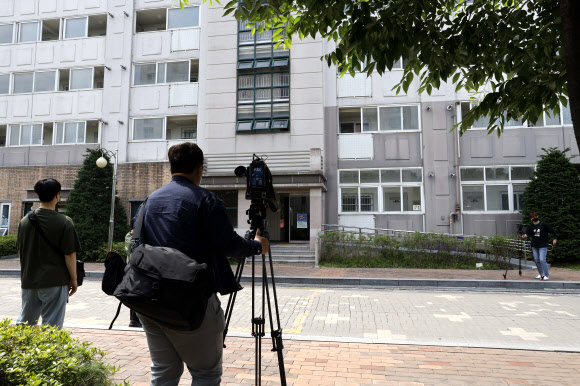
x=302 y=220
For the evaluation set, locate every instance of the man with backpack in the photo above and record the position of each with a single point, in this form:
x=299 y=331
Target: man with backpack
x=192 y=220
x=48 y=276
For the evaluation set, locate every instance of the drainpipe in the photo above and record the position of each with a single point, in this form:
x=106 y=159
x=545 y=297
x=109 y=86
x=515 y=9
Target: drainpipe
x=456 y=118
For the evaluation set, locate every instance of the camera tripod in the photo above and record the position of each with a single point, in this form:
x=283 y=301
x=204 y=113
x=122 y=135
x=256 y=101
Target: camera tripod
x=257 y=218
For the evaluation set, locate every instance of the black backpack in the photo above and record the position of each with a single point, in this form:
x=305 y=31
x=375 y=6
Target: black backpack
x=161 y=283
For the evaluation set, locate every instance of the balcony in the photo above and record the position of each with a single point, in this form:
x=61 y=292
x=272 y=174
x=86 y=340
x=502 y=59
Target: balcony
x=359 y=86
x=163 y=99
x=53 y=54
x=157 y=44
x=51 y=106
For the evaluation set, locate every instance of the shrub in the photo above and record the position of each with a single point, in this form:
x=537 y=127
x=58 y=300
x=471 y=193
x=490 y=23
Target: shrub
x=8 y=245
x=98 y=254
x=89 y=205
x=44 y=355
x=411 y=250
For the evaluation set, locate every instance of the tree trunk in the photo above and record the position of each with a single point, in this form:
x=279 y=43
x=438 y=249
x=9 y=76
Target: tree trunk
x=570 y=13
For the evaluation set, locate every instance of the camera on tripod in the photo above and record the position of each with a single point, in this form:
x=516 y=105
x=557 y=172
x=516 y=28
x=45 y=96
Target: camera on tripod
x=259 y=190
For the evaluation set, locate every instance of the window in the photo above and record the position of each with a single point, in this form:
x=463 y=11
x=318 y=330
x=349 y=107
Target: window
x=374 y=119
x=494 y=188
x=171 y=72
x=4 y=83
x=483 y=122
x=178 y=18
x=29 y=32
x=4 y=218
x=386 y=190
x=45 y=81
x=6 y=33
x=22 y=83
x=148 y=128
x=25 y=135
x=230 y=200
x=133 y=210
x=26 y=207
x=81 y=79
x=70 y=132
x=550 y=118
x=145 y=74
x=75 y=28
x=50 y=30
x=263 y=83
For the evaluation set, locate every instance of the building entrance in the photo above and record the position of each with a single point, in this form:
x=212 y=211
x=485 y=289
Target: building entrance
x=291 y=223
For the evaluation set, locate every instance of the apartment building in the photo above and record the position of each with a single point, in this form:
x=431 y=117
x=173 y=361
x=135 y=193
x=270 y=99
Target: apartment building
x=139 y=76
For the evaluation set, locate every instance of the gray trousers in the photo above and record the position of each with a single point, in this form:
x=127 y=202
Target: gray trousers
x=48 y=303
x=201 y=350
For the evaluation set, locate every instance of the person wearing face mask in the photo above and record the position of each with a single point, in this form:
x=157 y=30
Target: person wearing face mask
x=538 y=232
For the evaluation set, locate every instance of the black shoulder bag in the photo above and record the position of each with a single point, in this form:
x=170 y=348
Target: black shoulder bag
x=164 y=284
x=80 y=264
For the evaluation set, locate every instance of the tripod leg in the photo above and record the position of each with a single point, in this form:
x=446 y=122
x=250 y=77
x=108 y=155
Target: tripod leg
x=277 y=344
x=232 y=297
x=507 y=265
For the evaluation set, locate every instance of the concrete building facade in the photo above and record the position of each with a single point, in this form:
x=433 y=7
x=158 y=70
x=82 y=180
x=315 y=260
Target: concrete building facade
x=139 y=76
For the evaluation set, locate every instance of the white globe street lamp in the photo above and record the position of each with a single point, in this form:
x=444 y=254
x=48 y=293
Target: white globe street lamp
x=102 y=162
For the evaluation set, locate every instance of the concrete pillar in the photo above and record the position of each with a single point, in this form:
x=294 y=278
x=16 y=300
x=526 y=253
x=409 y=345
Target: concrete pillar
x=316 y=215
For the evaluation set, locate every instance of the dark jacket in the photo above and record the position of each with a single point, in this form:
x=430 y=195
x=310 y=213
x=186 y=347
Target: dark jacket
x=539 y=234
x=193 y=220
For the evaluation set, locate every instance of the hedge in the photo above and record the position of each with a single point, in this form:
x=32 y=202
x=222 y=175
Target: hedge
x=44 y=355
x=8 y=245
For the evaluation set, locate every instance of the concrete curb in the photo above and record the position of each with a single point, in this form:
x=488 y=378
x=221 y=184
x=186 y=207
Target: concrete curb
x=386 y=282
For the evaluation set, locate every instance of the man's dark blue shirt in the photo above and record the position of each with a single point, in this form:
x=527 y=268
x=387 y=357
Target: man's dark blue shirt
x=192 y=219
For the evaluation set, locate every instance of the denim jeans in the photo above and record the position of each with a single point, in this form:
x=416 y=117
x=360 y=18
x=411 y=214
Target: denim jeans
x=48 y=303
x=201 y=349
x=540 y=259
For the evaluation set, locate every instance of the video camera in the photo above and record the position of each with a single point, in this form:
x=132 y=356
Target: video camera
x=259 y=190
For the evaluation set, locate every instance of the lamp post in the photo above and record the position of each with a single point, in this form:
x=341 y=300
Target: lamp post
x=102 y=162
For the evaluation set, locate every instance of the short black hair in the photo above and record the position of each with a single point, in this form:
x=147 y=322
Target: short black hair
x=47 y=189
x=185 y=157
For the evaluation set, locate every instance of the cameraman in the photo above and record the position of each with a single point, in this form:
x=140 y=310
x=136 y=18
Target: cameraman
x=538 y=231
x=184 y=216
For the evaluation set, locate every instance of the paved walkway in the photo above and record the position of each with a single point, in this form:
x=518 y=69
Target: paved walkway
x=556 y=274
x=339 y=364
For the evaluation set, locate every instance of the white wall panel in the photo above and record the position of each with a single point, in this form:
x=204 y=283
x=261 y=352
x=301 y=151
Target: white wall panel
x=7 y=7
x=24 y=56
x=3 y=109
x=183 y=94
x=90 y=49
x=41 y=105
x=151 y=44
x=114 y=99
x=47 y=6
x=357 y=220
x=64 y=104
x=5 y=57
x=89 y=4
x=86 y=103
x=355 y=146
x=27 y=7
x=358 y=86
x=70 y=5
x=44 y=54
x=67 y=52
x=21 y=106
x=185 y=39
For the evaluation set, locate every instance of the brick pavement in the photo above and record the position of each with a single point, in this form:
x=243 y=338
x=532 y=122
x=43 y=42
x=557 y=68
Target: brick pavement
x=332 y=363
x=556 y=274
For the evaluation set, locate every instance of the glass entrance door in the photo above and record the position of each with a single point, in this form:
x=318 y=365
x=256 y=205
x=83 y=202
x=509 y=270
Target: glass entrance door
x=299 y=218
